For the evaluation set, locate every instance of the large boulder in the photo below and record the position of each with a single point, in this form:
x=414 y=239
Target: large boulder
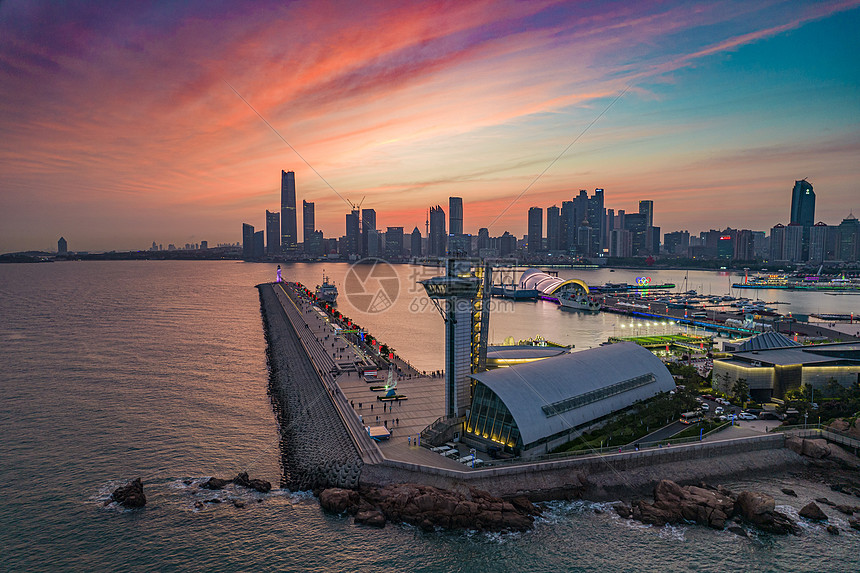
x=812 y=512
x=674 y=503
x=337 y=500
x=815 y=449
x=214 y=483
x=373 y=518
x=130 y=495
x=759 y=509
x=259 y=485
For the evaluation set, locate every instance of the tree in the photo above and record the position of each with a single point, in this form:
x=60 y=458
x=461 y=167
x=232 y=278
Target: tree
x=740 y=389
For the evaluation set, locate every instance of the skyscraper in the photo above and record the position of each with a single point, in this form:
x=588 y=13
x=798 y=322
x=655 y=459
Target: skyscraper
x=553 y=228
x=455 y=215
x=289 y=232
x=273 y=233
x=438 y=235
x=353 y=235
x=394 y=242
x=647 y=208
x=803 y=204
x=597 y=221
x=259 y=245
x=247 y=240
x=308 y=225
x=368 y=224
x=416 y=242
x=535 y=229
x=62 y=246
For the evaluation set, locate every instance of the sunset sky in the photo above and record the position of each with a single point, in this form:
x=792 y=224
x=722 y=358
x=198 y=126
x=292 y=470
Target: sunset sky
x=119 y=127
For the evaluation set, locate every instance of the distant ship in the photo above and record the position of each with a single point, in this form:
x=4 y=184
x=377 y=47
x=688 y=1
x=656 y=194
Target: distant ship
x=578 y=301
x=327 y=292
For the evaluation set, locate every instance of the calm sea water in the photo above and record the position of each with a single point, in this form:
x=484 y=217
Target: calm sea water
x=113 y=370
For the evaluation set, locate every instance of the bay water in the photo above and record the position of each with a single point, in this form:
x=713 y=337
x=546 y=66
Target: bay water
x=116 y=370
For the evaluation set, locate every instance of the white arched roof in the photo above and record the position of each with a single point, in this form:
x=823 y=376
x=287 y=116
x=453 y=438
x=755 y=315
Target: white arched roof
x=556 y=394
x=534 y=279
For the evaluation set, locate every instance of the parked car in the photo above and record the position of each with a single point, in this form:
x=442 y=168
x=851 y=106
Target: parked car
x=747 y=416
x=704 y=406
x=718 y=410
x=723 y=418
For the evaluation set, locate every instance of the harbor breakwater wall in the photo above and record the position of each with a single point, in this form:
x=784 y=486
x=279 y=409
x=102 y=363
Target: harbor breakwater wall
x=317 y=451
x=606 y=477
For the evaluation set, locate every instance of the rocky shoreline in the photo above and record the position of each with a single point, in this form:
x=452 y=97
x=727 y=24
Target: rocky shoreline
x=428 y=507
x=716 y=506
x=712 y=506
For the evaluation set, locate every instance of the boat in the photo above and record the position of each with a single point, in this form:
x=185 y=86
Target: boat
x=327 y=292
x=810 y=283
x=578 y=301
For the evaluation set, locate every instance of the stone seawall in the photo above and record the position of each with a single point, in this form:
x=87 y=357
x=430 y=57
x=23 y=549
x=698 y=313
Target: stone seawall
x=317 y=451
x=607 y=477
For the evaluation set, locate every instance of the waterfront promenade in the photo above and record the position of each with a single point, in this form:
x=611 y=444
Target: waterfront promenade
x=398 y=460
x=338 y=362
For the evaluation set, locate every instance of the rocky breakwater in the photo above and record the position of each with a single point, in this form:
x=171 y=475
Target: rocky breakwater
x=709 y=506
x=428 y=507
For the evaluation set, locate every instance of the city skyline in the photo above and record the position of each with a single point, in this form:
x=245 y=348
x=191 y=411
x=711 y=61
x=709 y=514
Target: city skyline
x=692 y=104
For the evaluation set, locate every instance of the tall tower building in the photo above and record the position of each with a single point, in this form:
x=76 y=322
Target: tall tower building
x=803 y=204
x=289 y=231
x=247 y=240
x=647 y=208
x=308 y=224
x=535 y=229
x=416 y=242
x=63 y=246
x=273 y=233
x=353 y=234
x=597 y=222
x=553 y=228
x=455 y=215
x=438 y=235
x=368 y=226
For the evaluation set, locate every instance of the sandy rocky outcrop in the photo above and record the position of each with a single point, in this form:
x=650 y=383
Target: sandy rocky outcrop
x=129 y=495
x=428 y=507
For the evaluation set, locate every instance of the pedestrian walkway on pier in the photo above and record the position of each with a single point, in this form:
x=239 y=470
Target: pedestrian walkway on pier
x=405 y=419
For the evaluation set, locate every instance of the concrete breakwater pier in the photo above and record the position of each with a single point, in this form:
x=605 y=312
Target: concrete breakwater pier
x=316 y=448
x=325 y=405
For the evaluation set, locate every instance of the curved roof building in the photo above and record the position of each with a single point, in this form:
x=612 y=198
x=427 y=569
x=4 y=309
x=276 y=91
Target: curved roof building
x=531 y=408
x=548 y=285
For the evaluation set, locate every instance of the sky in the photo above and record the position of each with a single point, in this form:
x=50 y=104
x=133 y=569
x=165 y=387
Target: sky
x=124 y=123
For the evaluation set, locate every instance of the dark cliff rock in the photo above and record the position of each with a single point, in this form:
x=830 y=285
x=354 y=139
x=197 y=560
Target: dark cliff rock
x=812 y=512
x=261 y=486
x=707 y=505
x=214 y=483
x=758 y=509
x=674 y=504
x=428 y=507
x=130 y=495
